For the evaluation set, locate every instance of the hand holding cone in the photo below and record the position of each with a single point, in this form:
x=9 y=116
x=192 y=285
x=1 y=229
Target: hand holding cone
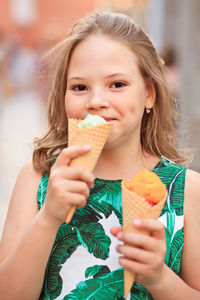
x=95 y=136
x=142 y=197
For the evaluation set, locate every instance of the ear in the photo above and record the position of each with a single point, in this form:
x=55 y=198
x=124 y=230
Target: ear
x=150 y=93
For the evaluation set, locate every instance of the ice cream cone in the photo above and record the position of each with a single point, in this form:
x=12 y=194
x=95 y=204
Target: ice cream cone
x=135 y=206
x=95 y=136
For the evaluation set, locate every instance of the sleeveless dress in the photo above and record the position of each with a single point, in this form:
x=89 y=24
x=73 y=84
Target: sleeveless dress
x=83 y=263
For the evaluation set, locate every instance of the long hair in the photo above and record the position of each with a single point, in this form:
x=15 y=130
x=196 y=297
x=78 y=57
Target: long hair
x=157 y=128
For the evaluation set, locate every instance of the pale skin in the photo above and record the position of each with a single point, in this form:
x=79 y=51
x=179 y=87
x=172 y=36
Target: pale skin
x=103 y=79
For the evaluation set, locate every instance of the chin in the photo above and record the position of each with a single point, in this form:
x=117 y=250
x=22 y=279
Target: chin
x=111 y=142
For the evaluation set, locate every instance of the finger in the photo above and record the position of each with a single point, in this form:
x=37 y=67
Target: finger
x=134 y=253
x=115 y=230
x=154 y=227
x=133 y=266
x=138 y=240
x=75 y=199
x=67 y=154
x=83 y=174
x=73 y=173
x=75 y=186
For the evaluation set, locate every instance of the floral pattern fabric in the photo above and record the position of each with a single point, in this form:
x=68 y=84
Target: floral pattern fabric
x=83 y=263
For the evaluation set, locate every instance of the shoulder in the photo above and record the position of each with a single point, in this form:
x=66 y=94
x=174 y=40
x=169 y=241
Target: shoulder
x=172 y=174
x=28 y=179
x=26 y=186
x=170 y=165
x=192 y=179
x=192 y=185
x=28 y=170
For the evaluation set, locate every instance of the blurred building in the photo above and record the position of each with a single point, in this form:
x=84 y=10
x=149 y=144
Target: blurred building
x=33 y=20
x=28 y=28
x=179 y=31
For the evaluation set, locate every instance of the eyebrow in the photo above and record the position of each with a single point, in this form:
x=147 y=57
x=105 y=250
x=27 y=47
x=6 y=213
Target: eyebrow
x=108 y=76
x=116 y=74
x=75 y=78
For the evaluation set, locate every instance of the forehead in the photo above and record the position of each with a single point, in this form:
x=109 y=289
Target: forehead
x=102 y=49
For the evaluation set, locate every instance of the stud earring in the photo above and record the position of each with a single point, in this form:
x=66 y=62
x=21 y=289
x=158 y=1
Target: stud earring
x=148 y=110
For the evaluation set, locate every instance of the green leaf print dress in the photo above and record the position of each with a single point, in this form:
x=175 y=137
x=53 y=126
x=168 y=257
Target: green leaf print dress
x=83 y=263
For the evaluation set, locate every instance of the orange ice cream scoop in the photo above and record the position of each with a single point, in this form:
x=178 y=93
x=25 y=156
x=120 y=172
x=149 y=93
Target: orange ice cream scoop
x=147 y=185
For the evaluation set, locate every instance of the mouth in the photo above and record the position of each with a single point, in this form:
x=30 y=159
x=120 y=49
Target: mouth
x=108 y=119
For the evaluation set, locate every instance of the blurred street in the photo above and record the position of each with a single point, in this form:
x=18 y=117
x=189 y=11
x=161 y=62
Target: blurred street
x=22 y=118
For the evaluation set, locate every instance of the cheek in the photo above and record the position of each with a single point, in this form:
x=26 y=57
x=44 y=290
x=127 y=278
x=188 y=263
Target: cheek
x=72 y=107
x=67 y=107
x=132 y=109
x=136 y=108
x=129 y=109
x=132 y=113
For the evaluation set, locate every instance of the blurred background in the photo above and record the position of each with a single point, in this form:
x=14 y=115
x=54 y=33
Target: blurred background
x=30 y=27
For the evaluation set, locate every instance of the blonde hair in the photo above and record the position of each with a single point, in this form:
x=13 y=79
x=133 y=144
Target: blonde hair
x=157 y=130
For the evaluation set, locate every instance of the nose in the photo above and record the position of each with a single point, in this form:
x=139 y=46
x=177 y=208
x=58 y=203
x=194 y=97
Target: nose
x=97 y=100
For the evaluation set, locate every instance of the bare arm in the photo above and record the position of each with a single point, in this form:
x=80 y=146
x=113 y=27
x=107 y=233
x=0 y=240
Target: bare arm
x=28 y=234
x=26 y=242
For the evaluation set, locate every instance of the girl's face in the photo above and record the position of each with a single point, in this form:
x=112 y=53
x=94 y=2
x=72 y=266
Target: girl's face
x=104 y=79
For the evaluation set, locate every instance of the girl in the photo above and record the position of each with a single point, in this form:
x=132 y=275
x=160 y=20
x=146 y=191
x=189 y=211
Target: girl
x=106 y=66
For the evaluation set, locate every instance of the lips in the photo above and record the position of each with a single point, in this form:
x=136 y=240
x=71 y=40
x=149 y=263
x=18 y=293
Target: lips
x=107 y=119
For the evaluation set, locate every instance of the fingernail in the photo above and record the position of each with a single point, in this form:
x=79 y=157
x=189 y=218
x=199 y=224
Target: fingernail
x=137 y=222
x=87 y=147
x=119 y=235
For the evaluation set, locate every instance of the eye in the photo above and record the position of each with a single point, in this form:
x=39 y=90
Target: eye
x=79 y=88
x=118 y=84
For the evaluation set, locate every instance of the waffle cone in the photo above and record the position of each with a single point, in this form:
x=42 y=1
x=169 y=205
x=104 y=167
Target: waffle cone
x=134 y=207
x=95 y=136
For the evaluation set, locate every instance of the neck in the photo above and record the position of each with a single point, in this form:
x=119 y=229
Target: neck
x=121 y=162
